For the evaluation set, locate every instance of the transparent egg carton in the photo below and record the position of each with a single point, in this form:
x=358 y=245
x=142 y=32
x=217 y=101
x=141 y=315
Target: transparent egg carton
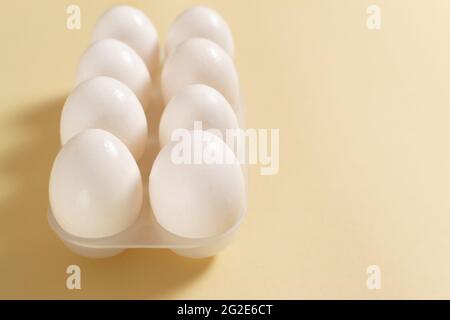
x=146 y=231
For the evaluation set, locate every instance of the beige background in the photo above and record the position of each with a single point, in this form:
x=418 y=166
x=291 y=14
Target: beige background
x=364 y=165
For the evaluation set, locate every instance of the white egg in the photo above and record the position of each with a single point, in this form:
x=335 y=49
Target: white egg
x=133 y=27
x=200 y=22
x=113 y=58
x=105 y=103
x=95 y=186
x=196 y=102
x=197 y=200
x=199 y=60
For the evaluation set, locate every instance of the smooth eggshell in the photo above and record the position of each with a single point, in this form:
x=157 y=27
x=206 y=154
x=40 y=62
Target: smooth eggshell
x=197 y=200
x=200 y=22
x=200 y=61
x=196 y=102
x=95 y=186
x=105 y=103
x=133 y=27
x=115 y=59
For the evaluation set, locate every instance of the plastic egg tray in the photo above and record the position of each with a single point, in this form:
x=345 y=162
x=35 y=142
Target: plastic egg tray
x=146 y=232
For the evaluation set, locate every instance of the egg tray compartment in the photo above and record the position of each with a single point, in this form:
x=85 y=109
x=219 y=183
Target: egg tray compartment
x=146 y=232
